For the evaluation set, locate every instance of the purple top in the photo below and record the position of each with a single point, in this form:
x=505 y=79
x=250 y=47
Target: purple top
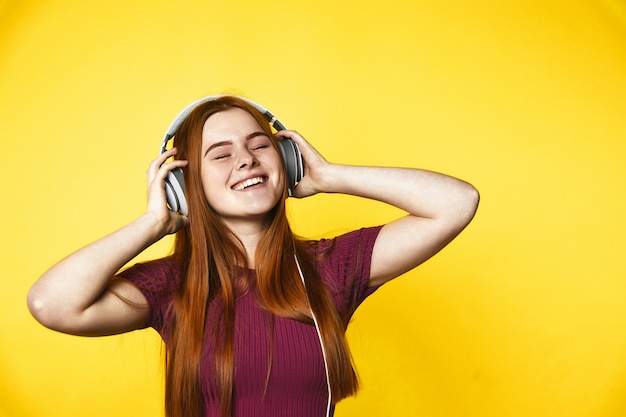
x=297 y=382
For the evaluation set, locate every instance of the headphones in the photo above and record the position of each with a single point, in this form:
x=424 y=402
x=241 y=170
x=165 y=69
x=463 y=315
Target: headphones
x=175 y=181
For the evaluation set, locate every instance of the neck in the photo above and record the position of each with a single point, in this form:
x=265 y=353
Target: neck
x=249 y=233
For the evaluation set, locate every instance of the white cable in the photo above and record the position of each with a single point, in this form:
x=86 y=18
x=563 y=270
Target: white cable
x=319 y=335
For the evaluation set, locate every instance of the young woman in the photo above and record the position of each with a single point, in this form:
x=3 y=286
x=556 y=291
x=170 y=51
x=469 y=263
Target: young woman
x=253 y=317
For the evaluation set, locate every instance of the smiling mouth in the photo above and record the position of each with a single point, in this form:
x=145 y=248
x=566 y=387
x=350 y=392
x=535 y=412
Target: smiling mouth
x=248 y=183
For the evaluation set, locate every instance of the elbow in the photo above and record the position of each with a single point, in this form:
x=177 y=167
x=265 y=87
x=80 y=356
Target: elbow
x=36 y=305
x=42 y=308
x=467 y=205
x=473 y=199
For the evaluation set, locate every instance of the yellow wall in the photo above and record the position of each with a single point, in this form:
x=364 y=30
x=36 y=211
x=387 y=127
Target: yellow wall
x=524 y=315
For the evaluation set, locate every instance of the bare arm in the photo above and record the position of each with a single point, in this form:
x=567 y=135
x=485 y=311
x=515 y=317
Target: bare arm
x=438 y=206
x=79 y=295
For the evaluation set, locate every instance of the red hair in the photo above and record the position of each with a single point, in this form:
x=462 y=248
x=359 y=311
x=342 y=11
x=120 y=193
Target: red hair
x=207 y=245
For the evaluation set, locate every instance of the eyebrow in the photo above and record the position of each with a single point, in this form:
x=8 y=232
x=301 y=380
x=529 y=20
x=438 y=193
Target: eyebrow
x=230 y=142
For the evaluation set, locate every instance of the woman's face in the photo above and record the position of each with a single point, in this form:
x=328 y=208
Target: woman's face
x=242 y=172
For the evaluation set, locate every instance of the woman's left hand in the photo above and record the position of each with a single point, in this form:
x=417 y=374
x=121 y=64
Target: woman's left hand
x=315 y=166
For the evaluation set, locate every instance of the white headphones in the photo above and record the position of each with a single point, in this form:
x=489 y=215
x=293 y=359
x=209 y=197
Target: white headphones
x=175 y=181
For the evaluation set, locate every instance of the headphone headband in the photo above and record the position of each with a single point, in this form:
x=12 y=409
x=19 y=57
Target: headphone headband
x=171 y=131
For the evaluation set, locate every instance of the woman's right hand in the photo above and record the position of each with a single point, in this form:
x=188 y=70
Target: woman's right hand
x=167 y=220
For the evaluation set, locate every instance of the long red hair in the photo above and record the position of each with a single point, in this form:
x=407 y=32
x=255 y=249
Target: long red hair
x=207 y=245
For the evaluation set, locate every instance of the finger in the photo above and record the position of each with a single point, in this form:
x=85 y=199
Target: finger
x=159 y=167
x=160 y=160
x=157 y=179
x=291 y=134
x=170 y=166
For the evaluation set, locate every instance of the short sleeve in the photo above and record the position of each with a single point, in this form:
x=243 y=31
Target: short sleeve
x=158 y=281
x=344 y=266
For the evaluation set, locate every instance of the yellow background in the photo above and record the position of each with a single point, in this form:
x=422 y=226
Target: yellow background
x=523 y=315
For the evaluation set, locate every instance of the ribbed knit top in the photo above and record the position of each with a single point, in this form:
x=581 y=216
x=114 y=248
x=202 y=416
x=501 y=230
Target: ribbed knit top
x=297 y=381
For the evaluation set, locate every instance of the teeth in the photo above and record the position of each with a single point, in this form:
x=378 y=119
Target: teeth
x=247 y=183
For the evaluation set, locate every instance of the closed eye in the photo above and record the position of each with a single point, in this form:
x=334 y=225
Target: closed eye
x=259 y=142
x=256 y=141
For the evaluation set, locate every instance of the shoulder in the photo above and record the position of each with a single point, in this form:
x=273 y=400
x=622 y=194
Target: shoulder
x=343 y=263
x=345 y=246
x=158 y=281
x=156 y=276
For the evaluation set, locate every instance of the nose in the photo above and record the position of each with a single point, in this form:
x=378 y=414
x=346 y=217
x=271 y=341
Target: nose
x=246 y=160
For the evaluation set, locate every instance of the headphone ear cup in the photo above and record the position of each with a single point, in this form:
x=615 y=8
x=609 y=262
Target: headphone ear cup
x=175 y=191
x=292 y=160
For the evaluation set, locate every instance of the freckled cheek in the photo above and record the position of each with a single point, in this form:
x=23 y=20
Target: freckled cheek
x=213 y=180
x=277 y=163
x=281 y=176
